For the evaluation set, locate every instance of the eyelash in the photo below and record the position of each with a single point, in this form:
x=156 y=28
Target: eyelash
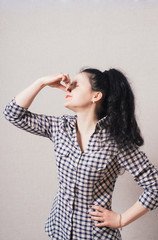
x=75 y=85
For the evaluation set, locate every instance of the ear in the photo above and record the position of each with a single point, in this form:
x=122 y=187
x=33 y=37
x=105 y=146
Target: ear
x=97 y=96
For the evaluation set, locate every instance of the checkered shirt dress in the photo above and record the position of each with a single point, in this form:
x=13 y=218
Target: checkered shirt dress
x=85 y=178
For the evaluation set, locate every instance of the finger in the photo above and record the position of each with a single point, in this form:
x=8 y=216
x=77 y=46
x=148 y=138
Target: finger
x=68 y=82
x=66 y=78
x=98 y=214
x=68 y=86
x=100 y=219
x=100 y=224
x=62 y=87
x=98 y=208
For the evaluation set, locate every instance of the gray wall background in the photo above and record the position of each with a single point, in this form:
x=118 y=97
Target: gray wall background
x=39 y=38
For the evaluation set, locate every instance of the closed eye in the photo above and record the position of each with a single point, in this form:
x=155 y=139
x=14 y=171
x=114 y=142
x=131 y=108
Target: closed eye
x=74 y=84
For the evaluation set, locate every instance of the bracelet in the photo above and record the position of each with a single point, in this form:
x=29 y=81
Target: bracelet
x=120 y=222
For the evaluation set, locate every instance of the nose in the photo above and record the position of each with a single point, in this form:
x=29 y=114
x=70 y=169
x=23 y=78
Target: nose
x=69 y=89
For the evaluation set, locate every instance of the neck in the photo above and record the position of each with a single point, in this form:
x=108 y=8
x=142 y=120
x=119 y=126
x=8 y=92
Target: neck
x=86 y=122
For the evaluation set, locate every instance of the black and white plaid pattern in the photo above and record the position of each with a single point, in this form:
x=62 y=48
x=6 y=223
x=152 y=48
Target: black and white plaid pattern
x=85 y=178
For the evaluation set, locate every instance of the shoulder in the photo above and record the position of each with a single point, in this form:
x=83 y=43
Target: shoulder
x=62 y=122
x=67 y=119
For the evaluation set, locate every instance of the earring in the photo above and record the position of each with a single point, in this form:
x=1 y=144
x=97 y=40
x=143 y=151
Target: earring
x=93 y=101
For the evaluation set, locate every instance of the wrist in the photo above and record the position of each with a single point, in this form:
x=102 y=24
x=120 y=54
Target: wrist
x=124 y=220
x=40 y=82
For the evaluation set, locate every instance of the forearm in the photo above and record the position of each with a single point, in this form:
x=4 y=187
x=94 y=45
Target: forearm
x=25 y=98
x=133 y=213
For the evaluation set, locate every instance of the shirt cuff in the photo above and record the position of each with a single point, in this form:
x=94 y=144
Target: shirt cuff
x=149 y=201
x=13 y=110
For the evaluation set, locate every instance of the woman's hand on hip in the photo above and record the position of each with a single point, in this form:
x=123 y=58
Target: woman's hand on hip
x=55 y=80
x=104 y=217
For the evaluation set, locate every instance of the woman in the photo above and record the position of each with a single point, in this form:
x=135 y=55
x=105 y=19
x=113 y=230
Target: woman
x=91 y=149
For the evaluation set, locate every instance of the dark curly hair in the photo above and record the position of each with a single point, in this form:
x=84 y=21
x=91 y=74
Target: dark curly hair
x=117 y=104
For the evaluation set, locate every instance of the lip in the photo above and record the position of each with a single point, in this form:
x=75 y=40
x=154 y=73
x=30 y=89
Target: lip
x=67 y=96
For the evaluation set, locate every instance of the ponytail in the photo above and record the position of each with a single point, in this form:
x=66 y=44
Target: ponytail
x=117 y=104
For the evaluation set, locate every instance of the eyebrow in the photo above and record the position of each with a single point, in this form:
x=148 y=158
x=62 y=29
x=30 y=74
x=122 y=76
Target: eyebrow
x=74 y=81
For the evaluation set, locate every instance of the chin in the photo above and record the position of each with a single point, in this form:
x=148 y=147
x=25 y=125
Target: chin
x=66 y=105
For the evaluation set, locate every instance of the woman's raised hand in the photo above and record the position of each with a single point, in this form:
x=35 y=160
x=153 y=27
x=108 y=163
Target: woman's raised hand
x=25 y=98
x=55 y=80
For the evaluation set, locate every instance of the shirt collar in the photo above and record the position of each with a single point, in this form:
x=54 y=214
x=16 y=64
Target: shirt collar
x=100 y=123
x=72 y=121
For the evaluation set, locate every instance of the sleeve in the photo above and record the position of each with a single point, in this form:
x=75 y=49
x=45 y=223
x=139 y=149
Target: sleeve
x=38 y=124
x=145 y=174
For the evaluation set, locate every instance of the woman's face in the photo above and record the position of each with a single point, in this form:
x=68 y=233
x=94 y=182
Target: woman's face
x=80 y=95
